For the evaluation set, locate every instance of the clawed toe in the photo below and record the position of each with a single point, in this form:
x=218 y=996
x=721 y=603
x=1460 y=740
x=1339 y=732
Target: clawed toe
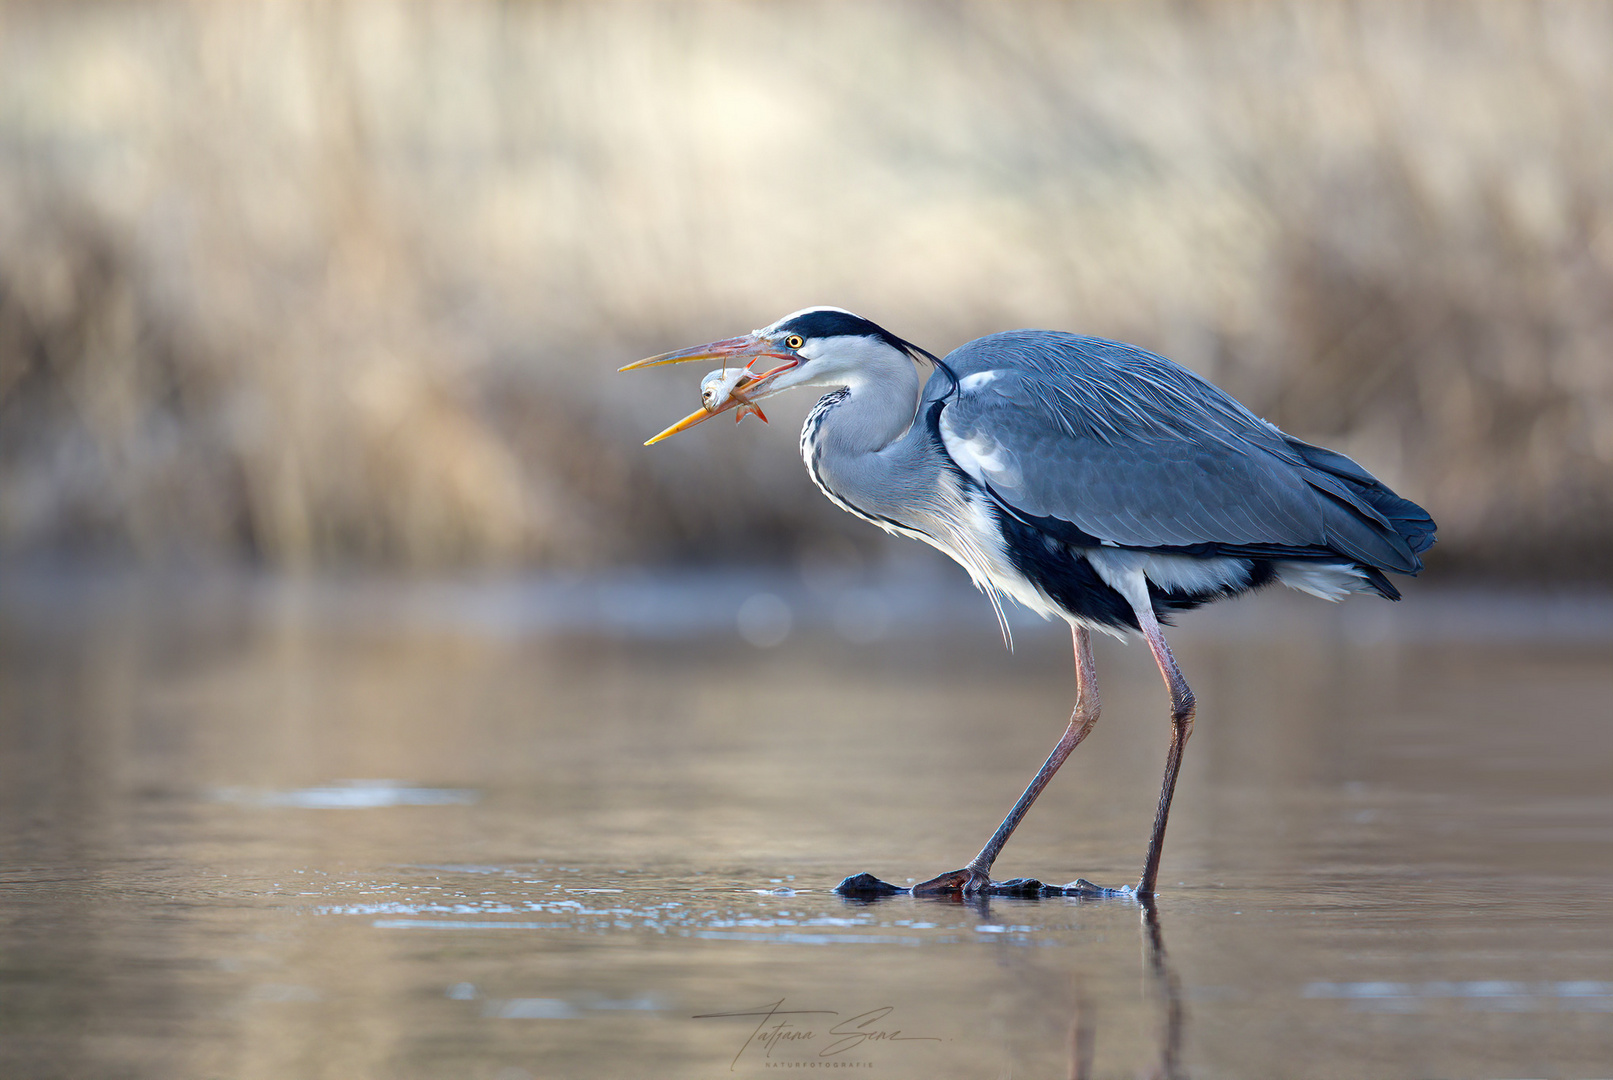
x=1083 y=887
x=965 y=882
x=1024 y=887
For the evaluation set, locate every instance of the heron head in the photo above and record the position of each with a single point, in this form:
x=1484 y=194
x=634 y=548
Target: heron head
x=817 y=346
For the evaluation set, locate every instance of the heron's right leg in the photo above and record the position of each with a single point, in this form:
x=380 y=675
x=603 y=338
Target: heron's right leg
x=977 y=875
x=1182 y=710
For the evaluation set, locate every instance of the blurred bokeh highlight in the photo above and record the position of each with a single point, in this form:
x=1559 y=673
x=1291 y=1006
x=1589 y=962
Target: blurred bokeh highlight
x=322 y=285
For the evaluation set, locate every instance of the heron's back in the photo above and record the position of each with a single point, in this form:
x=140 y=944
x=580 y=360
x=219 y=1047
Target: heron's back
x=1105 y=444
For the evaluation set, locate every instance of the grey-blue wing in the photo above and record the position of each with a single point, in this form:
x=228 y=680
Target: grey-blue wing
x=1127 y=448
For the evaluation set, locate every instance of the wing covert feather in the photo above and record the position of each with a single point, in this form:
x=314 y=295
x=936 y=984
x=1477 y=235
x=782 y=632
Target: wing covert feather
x=1133 y=450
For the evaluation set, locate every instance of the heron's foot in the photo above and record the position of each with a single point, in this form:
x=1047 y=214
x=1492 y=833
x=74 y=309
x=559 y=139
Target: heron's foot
x=1024 y=887
x=965 y=882
x=971 y=883
x=867 y=886
x=1083 y=887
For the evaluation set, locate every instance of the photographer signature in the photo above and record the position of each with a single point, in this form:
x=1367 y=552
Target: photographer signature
x=778 y=1027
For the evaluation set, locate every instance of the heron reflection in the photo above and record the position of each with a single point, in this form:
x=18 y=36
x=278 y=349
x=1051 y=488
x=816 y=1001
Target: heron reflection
x=1161 y=977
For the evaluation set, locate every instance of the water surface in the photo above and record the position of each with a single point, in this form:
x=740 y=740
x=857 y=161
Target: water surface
x=519 y=829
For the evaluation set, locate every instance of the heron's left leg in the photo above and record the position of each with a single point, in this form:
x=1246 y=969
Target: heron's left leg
x=1182 y=709
x=977 y=875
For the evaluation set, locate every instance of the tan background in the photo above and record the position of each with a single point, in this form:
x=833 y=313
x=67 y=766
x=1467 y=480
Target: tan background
x=330 y=285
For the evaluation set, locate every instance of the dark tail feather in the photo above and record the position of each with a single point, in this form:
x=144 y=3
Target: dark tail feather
x=1409 y=521
x=1380 y=584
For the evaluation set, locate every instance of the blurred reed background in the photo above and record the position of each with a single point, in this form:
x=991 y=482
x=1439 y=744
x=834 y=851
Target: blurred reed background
x=324 y=284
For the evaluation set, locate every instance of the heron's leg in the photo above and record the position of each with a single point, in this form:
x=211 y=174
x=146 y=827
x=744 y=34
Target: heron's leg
x=1182 y=708
x=977 y=874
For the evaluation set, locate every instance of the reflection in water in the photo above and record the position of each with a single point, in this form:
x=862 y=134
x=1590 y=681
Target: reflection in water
x=1166 y=985
x=1170 y=992
x=588 y=839
x=1501 y=995
x=350 y=795
x=1083 y=1035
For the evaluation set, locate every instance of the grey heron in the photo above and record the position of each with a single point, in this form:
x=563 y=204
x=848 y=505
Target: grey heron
x=1086 y=479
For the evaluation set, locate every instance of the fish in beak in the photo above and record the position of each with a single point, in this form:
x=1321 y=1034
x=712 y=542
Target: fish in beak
x=721 y=385
x=731 y=387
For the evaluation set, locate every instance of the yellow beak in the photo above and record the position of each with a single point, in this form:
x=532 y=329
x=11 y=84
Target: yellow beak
x=738 y=351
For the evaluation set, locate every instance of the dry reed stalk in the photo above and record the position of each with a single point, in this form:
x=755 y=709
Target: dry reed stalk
x=322 y=283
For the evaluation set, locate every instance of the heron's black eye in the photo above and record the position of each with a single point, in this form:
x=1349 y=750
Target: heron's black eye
x=795 y=341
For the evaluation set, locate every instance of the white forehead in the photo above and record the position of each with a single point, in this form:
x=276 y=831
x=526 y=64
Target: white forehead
x=769 y=331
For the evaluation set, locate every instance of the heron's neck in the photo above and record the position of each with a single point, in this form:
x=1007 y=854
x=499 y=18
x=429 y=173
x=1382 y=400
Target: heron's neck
x=861 y=447
x=875 y=410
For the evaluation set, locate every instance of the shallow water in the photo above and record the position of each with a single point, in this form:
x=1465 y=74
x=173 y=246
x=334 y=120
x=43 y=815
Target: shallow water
x=500 y=830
